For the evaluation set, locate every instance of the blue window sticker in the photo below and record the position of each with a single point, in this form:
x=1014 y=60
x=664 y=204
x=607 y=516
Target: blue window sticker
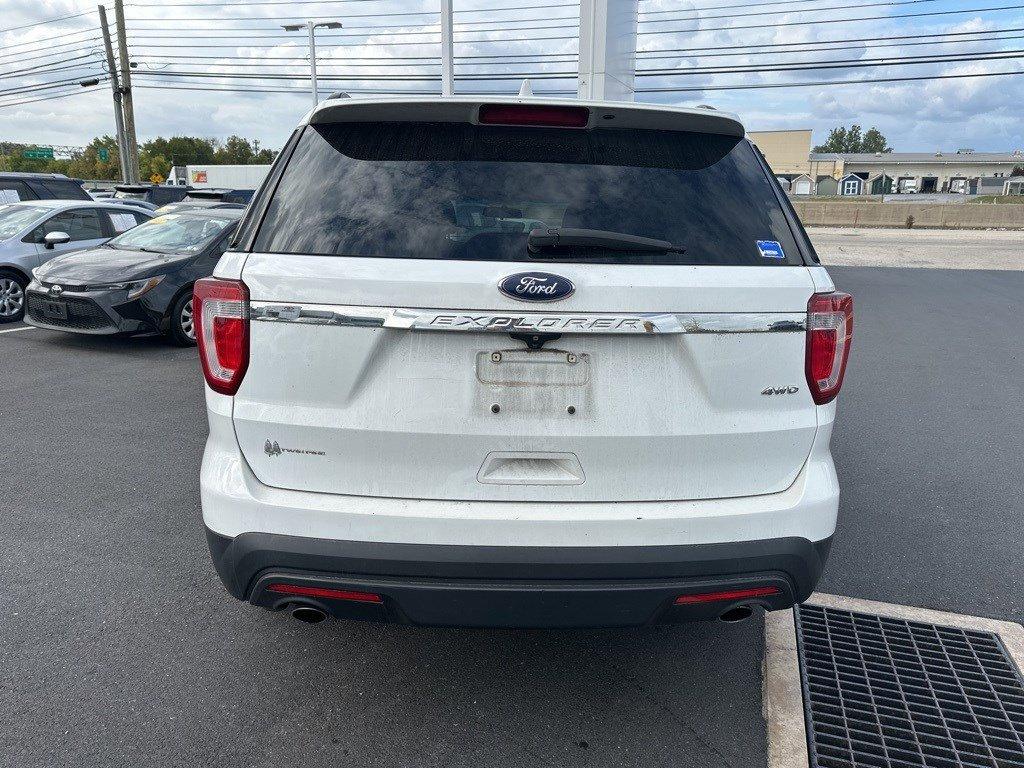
x=770 y=249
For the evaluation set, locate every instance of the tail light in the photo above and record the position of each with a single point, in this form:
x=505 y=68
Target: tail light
x=329 y=594
x=729 y=594
x=534 y=114
x=829 y=333
x=221 y=310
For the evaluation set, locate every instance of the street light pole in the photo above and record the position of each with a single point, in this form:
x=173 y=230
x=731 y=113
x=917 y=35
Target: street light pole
x=312 y=61
x=312 y=26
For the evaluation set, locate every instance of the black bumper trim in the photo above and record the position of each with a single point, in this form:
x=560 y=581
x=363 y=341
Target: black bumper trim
x=576 y=578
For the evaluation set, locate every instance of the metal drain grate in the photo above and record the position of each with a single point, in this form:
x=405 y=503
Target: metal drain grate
x=889 y=693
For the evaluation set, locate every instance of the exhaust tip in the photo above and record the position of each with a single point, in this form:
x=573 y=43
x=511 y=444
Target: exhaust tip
x=736 y=614
x=308 y=614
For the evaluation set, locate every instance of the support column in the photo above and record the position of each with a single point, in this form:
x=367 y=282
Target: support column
x=447 y=50
x=607 y=64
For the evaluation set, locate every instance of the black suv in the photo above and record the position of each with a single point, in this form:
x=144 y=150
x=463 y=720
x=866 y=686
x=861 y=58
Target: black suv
x=156 y=194
x=15 y=187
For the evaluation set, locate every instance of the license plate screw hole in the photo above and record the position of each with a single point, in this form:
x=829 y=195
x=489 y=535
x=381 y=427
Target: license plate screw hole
x=571 y=358
x=571 y=410
x=495 y=408
x=495 y=357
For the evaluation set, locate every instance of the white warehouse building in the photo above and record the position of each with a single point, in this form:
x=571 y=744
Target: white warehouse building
x=964 y=171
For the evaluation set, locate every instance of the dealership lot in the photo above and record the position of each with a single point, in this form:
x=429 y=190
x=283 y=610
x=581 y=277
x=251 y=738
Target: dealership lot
x=119 y=646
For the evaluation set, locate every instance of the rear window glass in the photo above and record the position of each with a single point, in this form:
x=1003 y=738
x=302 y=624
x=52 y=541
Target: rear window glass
x=459 y=191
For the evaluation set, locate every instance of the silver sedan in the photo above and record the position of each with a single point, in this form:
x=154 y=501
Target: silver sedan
x=33 y=232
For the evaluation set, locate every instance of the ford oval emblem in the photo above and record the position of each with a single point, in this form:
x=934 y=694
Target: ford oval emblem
x=536 y=286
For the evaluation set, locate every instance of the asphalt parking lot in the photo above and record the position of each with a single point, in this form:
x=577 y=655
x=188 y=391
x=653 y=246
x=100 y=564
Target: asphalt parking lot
x=118 y=646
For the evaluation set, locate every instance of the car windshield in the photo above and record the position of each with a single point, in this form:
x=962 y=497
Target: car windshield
x=172 y=233
x=130 y=195
x=460 y=191
x=15 y=218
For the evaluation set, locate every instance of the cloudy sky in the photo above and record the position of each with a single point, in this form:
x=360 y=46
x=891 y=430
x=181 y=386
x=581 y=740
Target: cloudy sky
x=393 y=45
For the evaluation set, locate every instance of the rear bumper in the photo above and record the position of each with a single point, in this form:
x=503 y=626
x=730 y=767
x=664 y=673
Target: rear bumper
x=492 y=586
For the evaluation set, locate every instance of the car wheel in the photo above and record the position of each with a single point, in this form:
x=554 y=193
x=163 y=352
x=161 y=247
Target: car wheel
x=182 y=328
x=12 y=296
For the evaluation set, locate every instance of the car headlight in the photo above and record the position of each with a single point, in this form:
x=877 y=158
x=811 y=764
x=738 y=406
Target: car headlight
x=139 y=287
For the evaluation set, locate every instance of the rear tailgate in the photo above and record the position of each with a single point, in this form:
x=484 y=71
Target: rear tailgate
x=409 y=413
x=382 y=361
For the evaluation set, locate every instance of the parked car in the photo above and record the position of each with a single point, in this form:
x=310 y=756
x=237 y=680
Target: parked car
x=16 y=187
x=620 y=417
x=138 y=282
x=34 y=232
x=153 y=194
x=207 y=198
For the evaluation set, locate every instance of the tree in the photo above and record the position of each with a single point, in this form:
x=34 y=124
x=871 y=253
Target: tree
x=874 y=141
x=239 y=151
x=1017 y=171
x=850 y=140
x=88 y=165
x=181 y=150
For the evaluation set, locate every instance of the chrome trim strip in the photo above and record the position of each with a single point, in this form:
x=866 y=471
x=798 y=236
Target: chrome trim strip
x=526 y=322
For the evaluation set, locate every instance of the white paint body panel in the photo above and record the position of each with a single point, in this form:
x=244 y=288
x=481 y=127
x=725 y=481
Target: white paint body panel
x=235 y=502
x=409 y=413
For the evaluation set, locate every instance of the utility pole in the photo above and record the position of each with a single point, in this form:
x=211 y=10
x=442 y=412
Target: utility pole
x=122 y=154
x=131 y=162
x=447 y=53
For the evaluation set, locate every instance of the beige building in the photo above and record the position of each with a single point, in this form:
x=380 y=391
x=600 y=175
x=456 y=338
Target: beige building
x=787 y=152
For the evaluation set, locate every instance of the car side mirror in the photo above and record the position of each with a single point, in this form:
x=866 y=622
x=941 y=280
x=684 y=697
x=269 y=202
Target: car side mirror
x=56 y=238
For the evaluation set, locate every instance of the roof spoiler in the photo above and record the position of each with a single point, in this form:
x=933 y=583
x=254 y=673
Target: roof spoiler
x=462 y=109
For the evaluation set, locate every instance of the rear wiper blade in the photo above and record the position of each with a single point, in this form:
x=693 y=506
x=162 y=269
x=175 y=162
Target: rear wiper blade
x=554 y=238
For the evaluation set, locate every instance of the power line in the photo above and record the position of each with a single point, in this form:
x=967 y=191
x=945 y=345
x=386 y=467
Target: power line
x=890 y=61
x=354 y=78
x=51 y=97
x=39 y=69
x=820 y=49
x=820 y=83
x=430 y=58
x=20 y=57
x=145 y=34
x=823 y=42
x=279 y=18
x=352 y=45
x=47 y=21
x=329 y=63
x=85 y=31
x=776 y=12
x=733 y=5
x=101 y=76
x=837 y=21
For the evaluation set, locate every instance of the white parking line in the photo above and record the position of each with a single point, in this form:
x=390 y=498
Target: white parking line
x=783 y=705
x=23 y=328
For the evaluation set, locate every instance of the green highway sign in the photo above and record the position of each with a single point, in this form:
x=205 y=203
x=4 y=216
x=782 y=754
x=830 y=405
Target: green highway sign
x=41 y=153
x=104 y=154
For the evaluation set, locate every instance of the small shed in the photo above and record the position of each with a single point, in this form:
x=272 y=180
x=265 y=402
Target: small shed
x=802 y=185
x=851 y=184
x=828 y=186
x=1015 y=186
x=989 y=185
x=881 y=184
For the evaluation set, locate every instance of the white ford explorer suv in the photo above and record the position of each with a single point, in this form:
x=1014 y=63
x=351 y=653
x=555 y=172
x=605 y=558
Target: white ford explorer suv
x=530 y=363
